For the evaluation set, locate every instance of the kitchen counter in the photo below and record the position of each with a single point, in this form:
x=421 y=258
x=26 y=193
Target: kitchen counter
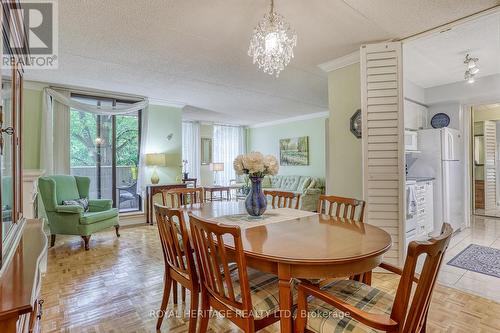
x=420 y=179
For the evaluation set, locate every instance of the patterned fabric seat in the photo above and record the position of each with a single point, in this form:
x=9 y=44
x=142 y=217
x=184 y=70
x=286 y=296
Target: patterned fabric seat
x=263 y=290
x=325 y=318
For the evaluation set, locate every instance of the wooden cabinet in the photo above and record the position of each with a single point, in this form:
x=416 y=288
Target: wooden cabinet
x=23 y=243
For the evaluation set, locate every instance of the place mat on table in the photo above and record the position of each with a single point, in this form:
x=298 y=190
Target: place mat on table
x=245 y=221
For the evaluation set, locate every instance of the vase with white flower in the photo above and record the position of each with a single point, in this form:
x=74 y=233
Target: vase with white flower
x=256 y=166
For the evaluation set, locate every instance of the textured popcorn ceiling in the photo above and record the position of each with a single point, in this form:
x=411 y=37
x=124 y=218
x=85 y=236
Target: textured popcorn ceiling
x=439 y=59
x=195 y=51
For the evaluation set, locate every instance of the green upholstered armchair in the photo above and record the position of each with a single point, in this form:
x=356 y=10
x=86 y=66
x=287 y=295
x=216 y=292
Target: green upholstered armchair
x=71 y=219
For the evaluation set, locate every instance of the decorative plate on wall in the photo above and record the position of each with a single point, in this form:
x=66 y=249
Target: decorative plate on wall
x=356 y=124
x=440 y=120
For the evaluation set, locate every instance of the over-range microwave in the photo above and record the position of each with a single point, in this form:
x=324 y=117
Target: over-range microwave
x=411 y=140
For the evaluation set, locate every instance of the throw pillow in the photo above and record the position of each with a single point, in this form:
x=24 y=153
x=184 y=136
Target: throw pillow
x=82 y=202
x=305 y=184
x=312 y=184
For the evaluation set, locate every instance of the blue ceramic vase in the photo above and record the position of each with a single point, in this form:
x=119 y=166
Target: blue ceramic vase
x=256 y=202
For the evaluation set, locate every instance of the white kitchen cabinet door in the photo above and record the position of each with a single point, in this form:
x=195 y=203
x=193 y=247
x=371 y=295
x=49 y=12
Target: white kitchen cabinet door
x=415 y=115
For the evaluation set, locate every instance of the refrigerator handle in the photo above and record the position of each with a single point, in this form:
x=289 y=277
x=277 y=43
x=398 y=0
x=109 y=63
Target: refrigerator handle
x=451 y=147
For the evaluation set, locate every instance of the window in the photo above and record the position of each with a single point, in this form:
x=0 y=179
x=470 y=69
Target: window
x=106 y=149
x=229 y=142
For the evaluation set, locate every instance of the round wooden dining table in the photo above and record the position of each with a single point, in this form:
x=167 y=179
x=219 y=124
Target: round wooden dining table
x=309 y=247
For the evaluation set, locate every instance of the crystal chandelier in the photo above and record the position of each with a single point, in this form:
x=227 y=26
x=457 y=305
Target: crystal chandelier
x=272 y=43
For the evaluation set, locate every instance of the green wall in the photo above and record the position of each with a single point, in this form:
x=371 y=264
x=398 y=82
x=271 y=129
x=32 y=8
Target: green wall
x=32 y=120
x=345 y=177
x=163 y=120
x=266 y=140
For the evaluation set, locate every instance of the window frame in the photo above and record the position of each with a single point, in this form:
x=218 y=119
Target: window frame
x=114 y=101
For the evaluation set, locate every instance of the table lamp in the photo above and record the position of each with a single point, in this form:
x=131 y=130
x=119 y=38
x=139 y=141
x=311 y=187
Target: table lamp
x=156 y=160
x=216 y=167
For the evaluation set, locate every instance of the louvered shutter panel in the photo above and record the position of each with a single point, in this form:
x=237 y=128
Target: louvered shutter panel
x=490 y=173
x=383 y=141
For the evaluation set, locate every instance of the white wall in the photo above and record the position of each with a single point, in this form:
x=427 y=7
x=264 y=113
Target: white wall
x=413 y=91
x=485 y=90
x=453 y=110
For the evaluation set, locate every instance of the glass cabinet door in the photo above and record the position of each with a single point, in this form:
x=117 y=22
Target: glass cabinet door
x=7 y=159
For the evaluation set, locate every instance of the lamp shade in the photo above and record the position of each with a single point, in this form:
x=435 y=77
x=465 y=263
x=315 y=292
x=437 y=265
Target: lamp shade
x=217 y=167
x=157 y=159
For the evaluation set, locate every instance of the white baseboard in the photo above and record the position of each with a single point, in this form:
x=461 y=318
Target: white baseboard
x=132 y=219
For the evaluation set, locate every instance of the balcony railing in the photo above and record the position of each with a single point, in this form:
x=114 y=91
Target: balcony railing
x=126 y=185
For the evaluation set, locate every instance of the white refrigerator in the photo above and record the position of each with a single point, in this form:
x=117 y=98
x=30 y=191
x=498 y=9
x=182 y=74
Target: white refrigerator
x=441 y=157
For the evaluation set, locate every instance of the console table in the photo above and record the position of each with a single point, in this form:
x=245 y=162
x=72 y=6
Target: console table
x=190 y=180
x=151 y=190
x=217 y=188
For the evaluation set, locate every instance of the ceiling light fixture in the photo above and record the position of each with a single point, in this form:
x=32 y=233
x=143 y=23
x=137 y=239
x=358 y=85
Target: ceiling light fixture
x=472 y=68
x=272 y=43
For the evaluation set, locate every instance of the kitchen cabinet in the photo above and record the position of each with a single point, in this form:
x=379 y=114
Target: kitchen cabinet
x=421 y=224
x=415 y=115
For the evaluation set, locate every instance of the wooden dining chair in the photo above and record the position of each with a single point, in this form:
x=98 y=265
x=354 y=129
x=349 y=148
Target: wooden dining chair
x=348 y=208
x=179 y=262
x=370 y=308
x=178 y=197
x=281 y=199
x=247 y=297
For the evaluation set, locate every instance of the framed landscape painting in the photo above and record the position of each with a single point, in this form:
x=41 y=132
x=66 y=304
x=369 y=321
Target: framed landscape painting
x=294 y=151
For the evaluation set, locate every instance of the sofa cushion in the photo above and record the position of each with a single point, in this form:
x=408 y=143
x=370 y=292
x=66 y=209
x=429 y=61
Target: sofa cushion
x=276 y=181
x=304 y=182
x=94 y=217
x=290 y=183
x=266 y=182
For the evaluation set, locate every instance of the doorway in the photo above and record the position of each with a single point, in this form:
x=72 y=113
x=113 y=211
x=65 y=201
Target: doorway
x=485 y=160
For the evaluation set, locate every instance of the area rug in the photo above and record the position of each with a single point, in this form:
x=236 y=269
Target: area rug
x=478 y=258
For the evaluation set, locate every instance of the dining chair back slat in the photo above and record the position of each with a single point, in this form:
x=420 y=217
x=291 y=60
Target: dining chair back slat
x=282 y=199
x=209 y=243
x=341 y=207
x=178 y=197
x=179 y=260
x=414 y=314
x=411 y=303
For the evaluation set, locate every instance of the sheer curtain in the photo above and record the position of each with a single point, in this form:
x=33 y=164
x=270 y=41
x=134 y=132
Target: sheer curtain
x=54 y=146
x=191 y=148
x=229 y=142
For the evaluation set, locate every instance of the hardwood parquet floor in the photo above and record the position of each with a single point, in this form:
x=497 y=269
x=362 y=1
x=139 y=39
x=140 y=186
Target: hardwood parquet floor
x=117 y=286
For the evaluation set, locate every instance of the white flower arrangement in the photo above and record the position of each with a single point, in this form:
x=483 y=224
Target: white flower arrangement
x=255 y=164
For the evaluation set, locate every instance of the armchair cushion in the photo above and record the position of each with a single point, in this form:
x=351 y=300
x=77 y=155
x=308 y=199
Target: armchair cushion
x=97 y=205
x=94 y=217
x=326 y=318
x=71 y=209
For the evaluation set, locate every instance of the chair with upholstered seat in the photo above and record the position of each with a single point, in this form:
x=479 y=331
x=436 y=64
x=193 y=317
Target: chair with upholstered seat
x=179 y=261
x=73 y=219
x=282 y=199
x=247 y=297
x=373 y=310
